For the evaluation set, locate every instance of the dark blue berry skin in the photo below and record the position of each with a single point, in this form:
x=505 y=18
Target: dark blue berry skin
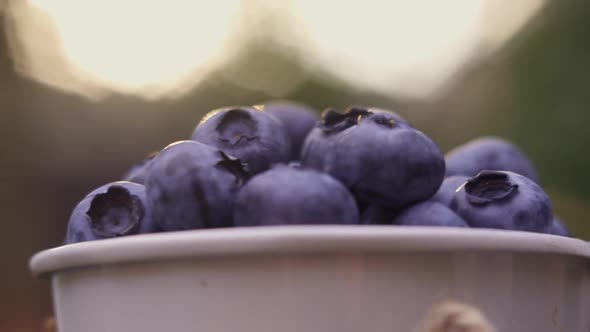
x=115 y=209
x=139 y=172
x=374 y=214
x=289 y=195
x=316 y=151
x=256 y=137
x=503 y=200
x=447 y=189
x=389 y=115
x=379 y=158
x=429 y=214
x=489 y=153
x=316 y=148
x=557 y=228
x=192 y=185
x=297 y=119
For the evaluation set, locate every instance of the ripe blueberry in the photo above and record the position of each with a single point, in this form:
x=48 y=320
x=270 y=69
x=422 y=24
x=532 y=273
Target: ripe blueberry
x=192 y=185
x=256 y=137
x=489 y=153
x=447 y=189
x=376 y=154
x=428 y=214
x=288 y=195
x=139 y=172
x=503 y=200
x=297 y=119
x=115 y=209
x=557 y=228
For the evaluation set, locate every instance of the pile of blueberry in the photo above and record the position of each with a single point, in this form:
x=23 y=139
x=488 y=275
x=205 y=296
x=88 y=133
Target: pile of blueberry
x=278 y=164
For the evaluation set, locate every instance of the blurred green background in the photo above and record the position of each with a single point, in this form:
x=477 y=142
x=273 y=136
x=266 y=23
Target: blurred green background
x=58 y=145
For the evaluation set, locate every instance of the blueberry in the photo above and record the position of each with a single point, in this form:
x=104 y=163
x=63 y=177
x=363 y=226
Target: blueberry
x=192 y=185
x=139 y=172
x=447 y=189
x=503 y=200
x=297 y=119
x=115 y=209
x=256 y=137
x=489 y=153
x=389 y=115
x=428 y=214
x=294 y=164
x=319 y=142
x=557 y=228
x=316 y=148
x=287 y=195
x=374 y=214
x=376 y=154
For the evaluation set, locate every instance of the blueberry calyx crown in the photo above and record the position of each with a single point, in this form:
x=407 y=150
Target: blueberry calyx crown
x=489 y=186
x=114 y=213
x=380 y=120
x=236 y=126
x=334 y=122
x=235 y=166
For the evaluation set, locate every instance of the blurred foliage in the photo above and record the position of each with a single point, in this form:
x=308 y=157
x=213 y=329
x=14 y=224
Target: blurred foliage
x=548 y=78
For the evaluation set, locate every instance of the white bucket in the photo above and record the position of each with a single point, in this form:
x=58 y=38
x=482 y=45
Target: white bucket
x=317 y=278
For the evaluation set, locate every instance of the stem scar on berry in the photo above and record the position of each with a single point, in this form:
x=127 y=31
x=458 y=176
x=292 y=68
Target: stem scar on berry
x=489 y=186
x=116 y=212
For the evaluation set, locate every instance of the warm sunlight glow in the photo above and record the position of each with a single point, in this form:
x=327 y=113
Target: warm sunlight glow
x=164 y=48
x=137 y=45
x=407 y=47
